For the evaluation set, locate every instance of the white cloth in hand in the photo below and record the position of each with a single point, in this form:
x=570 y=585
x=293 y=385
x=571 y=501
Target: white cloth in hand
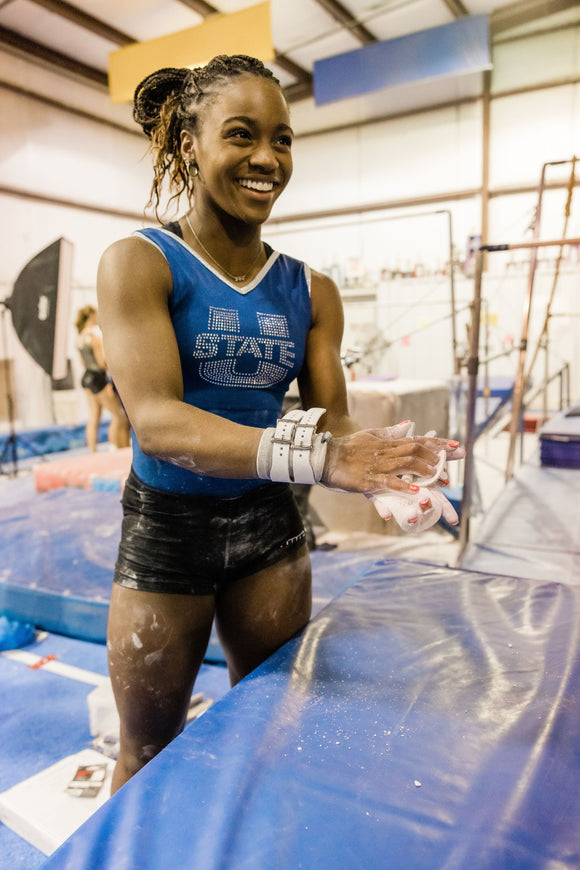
x=406 y=507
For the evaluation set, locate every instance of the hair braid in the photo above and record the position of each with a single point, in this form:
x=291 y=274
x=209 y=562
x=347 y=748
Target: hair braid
x=168 y=101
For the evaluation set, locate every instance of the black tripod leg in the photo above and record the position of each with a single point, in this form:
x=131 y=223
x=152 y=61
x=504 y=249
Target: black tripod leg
x=9 y=451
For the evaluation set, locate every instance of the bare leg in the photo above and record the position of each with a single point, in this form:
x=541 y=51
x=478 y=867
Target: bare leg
x=257 y=614
x=156 y=644
x=92 y=427
x=119 y=430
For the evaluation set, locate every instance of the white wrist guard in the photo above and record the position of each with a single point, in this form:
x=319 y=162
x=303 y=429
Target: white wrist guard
x=293 y=452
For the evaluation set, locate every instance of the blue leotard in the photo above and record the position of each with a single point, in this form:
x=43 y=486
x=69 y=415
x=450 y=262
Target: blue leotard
x=240 y=349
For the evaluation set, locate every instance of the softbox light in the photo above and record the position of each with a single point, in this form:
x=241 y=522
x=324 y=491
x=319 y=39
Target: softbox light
x=40 y=304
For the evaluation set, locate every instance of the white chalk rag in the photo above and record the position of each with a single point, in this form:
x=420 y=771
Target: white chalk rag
x=405 y=507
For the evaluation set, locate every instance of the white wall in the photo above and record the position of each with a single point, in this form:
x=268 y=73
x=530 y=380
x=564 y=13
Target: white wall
x=47 y=153
x=386 y=161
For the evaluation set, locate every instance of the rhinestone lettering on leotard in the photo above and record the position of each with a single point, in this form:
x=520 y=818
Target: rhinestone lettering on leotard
x=273 y=324
x=230 y=359
x=223 y=318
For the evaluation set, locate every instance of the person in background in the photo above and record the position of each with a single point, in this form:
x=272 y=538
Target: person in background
x=97 y=385
x=205 y=326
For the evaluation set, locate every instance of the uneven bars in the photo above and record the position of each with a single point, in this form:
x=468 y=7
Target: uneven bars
x=539 y=244
x=472 y=372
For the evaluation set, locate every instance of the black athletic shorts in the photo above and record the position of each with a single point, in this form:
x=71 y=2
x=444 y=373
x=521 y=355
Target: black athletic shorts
x=195 y=544
x=95 y=381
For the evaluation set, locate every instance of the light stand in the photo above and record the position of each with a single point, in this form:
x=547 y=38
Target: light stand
x=39 y=307
x=9 y=455
x=10 y=450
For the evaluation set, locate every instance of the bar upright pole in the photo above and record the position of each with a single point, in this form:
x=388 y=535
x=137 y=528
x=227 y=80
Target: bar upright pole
x=472 y=372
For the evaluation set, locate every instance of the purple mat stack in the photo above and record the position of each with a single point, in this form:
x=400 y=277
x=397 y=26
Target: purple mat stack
x=560 y=439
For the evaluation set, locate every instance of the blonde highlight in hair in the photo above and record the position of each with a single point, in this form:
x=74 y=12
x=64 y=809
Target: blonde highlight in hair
x=168 y=162
x=83 y=315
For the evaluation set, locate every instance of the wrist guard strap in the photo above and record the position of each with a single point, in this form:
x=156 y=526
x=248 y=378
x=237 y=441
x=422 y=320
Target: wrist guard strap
x=293 y=452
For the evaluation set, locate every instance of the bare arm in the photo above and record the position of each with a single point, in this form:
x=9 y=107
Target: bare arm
x=133 y=288
x=321 y=381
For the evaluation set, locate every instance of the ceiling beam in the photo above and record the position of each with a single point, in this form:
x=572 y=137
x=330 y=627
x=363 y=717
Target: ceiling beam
x=525 y=11
x=456 y=8
x=11 y=39
x=300 y=90
x=347 y=20
x=87 y=22
x=201 y=7
x=294 y=69
x=71 y=110
x=540 y=31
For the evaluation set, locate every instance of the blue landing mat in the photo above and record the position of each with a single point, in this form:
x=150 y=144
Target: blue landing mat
x=426 y=719
x=533 y=529
x=58 y=557
x=51 y=439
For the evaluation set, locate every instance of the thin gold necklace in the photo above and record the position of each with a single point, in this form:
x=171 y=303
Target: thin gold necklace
x=237 y=278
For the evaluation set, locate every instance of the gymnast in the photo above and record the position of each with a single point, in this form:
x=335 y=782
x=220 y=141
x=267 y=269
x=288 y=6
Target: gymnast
x=205 y=327
x=99 y=389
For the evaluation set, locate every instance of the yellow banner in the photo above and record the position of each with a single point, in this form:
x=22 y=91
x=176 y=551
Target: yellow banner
x=248 y=31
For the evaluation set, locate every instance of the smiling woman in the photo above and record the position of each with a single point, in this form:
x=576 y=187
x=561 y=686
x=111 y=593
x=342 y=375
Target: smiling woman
x=205 y=327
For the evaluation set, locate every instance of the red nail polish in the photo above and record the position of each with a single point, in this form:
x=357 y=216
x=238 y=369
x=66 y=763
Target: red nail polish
x=425 y=503
x=414 y=488
x=445 y=482
x=454 y=443
x=413 y=520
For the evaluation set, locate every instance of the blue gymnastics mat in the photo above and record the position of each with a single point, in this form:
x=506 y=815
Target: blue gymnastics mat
x=34 y=443
x=58 y=557
x=425 y=719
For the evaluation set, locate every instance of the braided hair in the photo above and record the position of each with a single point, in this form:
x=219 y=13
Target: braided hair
x=168 y=101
